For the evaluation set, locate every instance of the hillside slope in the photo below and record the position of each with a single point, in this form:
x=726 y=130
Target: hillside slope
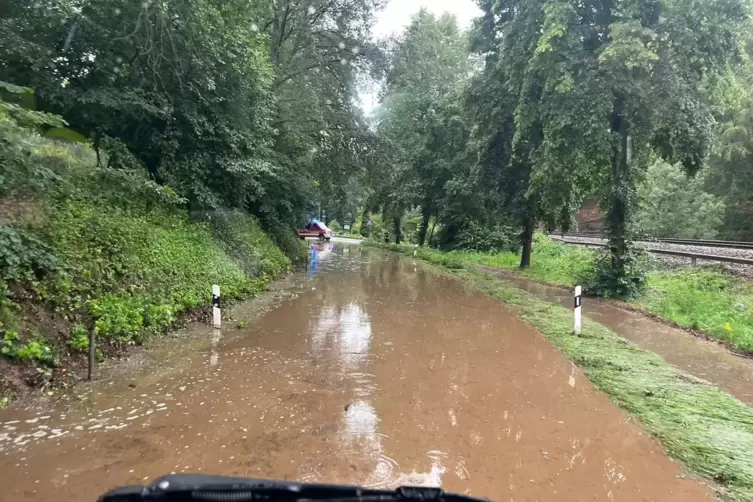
x=84 y=247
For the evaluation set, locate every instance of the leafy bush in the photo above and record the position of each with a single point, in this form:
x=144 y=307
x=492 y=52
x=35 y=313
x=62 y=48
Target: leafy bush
x=377 y=228
x=23 y=256
x=243 y=239
x=474 y=237
x=35 y=350
x=600 y=279
x=79 y=339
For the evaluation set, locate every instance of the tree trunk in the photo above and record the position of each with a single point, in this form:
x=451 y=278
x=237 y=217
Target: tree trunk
x=527 y=240
x=431 y=233
x=398 y=232
x=618 y=213
x=424 y=227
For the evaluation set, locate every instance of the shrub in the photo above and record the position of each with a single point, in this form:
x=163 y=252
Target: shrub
x=474 y=237
x=600 y=279
x=35 y=350
x=23 y=256
x=79 y=339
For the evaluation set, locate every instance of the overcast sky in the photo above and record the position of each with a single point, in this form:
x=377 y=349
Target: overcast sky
x=397 y=16
x=398 y=13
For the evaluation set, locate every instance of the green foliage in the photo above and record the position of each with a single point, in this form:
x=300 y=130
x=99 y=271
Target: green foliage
x=673 y=205
x=290 y=244
x=569 y=85
x=704 y=300
x=244 y=240
x=604 y=280
x=116 y=247
x=150 y=267
x=35 y=350
x=79 y=339
x=730 y=175
x=211 y=105
x=23 y=256
x=474 y=237
x=421 y=121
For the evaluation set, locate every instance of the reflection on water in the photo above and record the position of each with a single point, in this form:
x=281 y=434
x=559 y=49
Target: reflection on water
x=214 y=356
x=319 y=252
x=345 y=331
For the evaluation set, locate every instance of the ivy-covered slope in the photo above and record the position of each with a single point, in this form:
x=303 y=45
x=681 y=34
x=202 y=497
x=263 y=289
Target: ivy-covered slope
x=88 y=247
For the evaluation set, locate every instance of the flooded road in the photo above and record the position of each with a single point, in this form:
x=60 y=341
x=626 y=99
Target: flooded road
x=378 y=373
x=704 y=359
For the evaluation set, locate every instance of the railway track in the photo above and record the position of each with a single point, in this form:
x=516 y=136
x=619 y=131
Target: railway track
x=693 y=255
x=686 y=242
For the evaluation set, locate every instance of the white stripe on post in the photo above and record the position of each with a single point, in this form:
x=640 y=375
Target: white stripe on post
x=578 y=292
x=216 y=312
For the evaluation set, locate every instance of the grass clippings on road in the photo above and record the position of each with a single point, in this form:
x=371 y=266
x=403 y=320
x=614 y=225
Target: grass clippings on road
x=706 y=429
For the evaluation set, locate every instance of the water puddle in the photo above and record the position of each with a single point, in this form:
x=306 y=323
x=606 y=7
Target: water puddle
x=378 y=373
x=707 y=360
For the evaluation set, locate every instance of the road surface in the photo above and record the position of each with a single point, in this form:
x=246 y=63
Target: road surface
x=378 y=373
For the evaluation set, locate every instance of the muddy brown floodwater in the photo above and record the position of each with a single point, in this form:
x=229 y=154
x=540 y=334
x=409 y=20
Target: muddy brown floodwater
x=704 y=359
x=379 y=373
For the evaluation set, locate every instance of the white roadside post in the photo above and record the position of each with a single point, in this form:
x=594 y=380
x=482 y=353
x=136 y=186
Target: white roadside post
x=578 y=292
x=216 y=312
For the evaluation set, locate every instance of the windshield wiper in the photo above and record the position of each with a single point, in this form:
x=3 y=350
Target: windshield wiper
x=191 y=487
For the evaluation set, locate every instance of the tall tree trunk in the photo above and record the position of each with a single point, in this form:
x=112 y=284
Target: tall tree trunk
x=527 y=240
x=426 y=217
x=621 y=190
x=398 y=232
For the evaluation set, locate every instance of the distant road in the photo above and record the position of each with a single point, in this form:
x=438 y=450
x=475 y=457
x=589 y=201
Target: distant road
x=346 y=240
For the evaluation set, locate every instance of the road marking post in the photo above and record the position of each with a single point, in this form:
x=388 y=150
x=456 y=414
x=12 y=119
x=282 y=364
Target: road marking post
x=577 y=309
x=216 y=312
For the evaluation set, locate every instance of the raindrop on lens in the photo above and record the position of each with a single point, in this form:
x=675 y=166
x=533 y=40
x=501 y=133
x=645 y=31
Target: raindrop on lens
x=341 y=45
x=312 y=10
x=344 y=62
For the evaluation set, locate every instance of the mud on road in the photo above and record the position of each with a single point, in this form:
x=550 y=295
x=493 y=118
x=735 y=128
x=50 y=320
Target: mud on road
x=380 y=373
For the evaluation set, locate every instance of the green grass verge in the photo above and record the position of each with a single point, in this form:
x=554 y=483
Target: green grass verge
x=707 y=300
x=709 y=431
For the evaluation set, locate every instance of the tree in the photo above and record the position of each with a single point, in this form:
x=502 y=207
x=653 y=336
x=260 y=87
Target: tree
x=671 y=205
x=420 y=117
x=182 y=88
x=236 y=103
x=730 y=175
x=594 y=78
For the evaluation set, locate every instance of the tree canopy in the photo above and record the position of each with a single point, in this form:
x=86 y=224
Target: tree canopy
x=234 y=103
x=481 y=133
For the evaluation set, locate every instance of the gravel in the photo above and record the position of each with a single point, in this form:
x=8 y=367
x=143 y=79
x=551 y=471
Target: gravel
x=680 y=261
